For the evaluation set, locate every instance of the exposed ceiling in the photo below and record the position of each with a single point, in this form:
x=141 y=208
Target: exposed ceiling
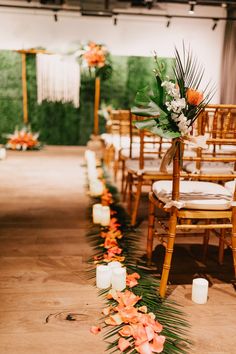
x=109 y=7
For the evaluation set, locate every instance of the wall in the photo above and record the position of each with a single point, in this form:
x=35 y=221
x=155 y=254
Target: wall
x=131 y=36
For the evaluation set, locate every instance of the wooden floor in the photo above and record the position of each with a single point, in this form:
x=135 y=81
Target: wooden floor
x=46 y=303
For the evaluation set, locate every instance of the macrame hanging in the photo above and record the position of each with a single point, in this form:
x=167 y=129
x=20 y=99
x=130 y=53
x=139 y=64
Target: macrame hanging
x=58 y=78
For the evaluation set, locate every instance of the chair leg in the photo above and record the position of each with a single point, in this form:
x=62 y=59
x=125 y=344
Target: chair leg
x=115 y=169
x=206 y=238
x=130 y=191
x=125 y=188
x=234 y=237
x=151 y=222
x=221 y=246
x=169 y=252
x=122 y=176
x=137 y=201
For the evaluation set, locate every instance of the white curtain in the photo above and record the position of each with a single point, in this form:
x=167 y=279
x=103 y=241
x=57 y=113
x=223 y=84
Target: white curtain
x=58 y=78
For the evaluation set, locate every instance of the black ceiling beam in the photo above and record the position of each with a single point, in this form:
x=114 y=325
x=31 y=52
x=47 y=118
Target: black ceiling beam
x=112 y=13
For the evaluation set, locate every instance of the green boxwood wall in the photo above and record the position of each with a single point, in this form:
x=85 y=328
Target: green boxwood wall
x=62 y=124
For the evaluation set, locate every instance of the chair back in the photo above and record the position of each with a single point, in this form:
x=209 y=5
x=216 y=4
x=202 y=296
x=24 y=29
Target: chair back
x=151 y=146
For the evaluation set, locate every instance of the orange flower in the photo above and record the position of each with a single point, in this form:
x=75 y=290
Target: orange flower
x=194 y=97
x=123 y=344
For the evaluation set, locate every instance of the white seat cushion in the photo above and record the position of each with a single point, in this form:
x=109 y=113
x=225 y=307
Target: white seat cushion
x=231 y=186
x=210 y=168
x=194 y=195
x=135 y=152
x=151 y=166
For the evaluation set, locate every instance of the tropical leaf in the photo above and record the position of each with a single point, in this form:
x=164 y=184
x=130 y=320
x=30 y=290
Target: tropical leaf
x=168 y=313
x=147 y=104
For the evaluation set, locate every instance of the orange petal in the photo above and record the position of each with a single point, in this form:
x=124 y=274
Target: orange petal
x=126 y=331
x=95 y=329
x=143 y=309
x=158 y=342
x=112 y=294
x=157 y=327
x=114 y=320
x=107 y=310
x=144 y=348
x=150 y=333
x=123 y=344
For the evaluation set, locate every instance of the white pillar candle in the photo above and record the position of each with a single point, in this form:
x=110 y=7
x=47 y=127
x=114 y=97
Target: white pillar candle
x=118 y=278
x=114 y=264
x=92 y=174
x=97 y=213
x=96 y=188
x=199 y=290
x=89 y=154
x=106 y=216
x=2 y=153
x=103 y=277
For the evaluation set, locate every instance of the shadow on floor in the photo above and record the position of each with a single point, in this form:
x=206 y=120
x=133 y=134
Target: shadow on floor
x=187 y=264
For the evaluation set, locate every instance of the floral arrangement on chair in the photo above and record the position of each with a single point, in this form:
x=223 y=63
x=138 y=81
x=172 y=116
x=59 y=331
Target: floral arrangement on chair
x=23 y=139
x=97 y=57
x=176 y=101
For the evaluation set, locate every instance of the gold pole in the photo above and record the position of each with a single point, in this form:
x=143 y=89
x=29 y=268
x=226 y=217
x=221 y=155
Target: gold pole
x=96 y=105
x=24 y=88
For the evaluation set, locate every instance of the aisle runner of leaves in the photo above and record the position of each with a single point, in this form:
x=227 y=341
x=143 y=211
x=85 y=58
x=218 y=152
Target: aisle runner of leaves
x=136 y=320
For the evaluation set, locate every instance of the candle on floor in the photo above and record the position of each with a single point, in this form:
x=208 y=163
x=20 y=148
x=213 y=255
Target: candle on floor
x=114 y=264
x=106 y=216
x=92 y=174
x=89 y=155
x=2 y=153
x=96 y=188
x=103 y=277
x=200 y=290
x=97 y=213
x=118 y=278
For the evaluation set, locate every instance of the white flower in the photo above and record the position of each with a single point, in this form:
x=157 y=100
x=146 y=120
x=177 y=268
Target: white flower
x=176 y=106
x=171 y=89
x=182 y=122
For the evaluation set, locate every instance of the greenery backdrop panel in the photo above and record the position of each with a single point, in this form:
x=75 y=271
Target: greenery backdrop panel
x=10 y=91
x=60 y=123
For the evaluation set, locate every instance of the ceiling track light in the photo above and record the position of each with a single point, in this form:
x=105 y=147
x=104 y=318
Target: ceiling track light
x=55 y=15
x=215 y=23
x=191 y=7
x=168 y=21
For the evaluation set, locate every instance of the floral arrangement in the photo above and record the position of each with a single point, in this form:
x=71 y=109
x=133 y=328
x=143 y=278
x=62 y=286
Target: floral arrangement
x=97 y=58
x=95 y=55
x=136 y=318
x=176 y=101
x=23 y=139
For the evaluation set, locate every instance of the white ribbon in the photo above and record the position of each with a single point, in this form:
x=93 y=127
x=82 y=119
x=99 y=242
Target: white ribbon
x=196 y=141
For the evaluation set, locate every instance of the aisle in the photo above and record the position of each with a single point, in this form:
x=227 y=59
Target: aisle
x=47 y=306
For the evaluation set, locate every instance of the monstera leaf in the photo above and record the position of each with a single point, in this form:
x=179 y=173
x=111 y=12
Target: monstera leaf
x=147 y=104
x=156 y=127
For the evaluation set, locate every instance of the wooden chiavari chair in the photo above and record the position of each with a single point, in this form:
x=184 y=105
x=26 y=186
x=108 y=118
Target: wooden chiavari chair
x=210 y=205
x=117 y=134
x=144 y=170
x=216 y=122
